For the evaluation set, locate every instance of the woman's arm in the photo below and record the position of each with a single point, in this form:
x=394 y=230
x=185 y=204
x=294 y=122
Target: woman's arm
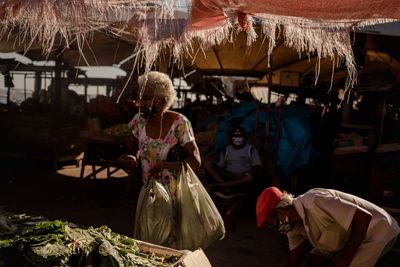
x=193 y=159
x=129 y=157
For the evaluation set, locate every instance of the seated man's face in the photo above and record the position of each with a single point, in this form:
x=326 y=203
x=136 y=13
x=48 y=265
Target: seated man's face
x=237 y=141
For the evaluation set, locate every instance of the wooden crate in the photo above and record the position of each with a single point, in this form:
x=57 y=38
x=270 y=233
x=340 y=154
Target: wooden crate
x=188 y=258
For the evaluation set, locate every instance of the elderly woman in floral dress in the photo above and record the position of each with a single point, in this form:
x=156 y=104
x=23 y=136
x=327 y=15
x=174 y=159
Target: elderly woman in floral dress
x=156 y=130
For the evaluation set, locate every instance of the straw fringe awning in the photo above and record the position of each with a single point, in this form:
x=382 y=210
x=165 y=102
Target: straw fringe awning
x=312 y=27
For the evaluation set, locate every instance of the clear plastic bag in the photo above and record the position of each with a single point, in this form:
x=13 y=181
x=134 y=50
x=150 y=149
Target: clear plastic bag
x=154 y=214
x=199 y=223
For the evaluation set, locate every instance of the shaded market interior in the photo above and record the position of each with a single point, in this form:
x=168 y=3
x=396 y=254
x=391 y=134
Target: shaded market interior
x=224 y=82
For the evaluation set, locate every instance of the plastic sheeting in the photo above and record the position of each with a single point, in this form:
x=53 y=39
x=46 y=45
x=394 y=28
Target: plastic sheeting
x=298 y=131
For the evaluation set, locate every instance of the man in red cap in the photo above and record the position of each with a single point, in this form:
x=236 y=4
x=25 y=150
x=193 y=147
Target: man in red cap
x=343 y=229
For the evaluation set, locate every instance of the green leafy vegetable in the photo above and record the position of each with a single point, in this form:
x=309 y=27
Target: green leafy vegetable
x=39 y=242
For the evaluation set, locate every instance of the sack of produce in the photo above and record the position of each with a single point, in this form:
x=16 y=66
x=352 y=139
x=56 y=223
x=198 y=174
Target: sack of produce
x=154 y=214
x=199 y=223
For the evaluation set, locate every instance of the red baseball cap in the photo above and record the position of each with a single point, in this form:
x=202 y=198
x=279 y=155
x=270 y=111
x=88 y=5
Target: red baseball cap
x=266 y=202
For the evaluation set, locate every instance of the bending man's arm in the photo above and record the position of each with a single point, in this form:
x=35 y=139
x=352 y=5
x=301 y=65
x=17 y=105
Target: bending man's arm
x=295 y=256
x=359 y=227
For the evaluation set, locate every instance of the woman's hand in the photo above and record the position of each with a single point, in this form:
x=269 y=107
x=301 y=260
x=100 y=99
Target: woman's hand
x=157 y=168
x=128 y=161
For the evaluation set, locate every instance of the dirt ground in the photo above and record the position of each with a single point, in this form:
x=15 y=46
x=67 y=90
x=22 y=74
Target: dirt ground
x=33 y=188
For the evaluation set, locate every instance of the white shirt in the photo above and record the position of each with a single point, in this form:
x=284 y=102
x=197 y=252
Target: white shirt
x=327 y=216
x=239 y=161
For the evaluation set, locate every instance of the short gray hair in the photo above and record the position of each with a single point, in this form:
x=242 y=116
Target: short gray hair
x=286 y=200
x=160 y=84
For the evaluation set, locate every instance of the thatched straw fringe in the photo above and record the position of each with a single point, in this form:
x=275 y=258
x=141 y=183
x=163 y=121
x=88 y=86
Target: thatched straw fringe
x=320 y=41
x=324 y=39
x=43 y=21
x=61 y=22
x=324 y=44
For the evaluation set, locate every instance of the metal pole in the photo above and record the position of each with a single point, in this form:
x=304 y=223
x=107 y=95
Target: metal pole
x=270 y=72
x=8 y=98
x=382 y=120
x=25 y=85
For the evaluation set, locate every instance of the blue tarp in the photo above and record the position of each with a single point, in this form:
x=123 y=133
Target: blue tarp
x=297 y=132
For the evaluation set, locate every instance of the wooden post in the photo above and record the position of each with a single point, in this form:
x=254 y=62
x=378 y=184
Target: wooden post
x=56 y=96
x=9 y=84
x=38 y=82
x=8 y=98
x=347 y=106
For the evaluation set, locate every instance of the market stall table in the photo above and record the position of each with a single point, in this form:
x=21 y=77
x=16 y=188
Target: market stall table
x=102 y=152
x=384 y=173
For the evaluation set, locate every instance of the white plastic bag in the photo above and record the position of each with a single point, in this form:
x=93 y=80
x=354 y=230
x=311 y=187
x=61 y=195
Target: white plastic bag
x=199 y=223
x=154 y=214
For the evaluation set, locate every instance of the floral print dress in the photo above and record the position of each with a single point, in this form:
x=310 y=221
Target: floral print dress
x=153 y=150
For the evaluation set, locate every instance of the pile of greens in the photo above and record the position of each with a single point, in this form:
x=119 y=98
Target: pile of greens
x=34 y=241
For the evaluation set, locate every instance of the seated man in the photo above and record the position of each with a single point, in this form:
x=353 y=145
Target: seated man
x=237 y=165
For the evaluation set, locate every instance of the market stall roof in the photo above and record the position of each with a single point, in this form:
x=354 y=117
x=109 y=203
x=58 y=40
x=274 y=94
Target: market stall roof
x=311 y=27
x=103 y=49
x=287 y=66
